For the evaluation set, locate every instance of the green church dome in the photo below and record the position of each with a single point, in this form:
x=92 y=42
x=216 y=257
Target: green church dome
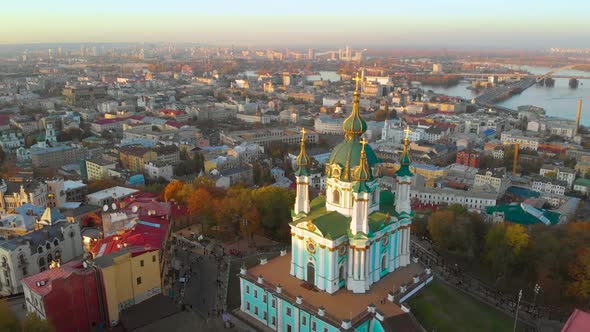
x=346 y=157
x=354 y=124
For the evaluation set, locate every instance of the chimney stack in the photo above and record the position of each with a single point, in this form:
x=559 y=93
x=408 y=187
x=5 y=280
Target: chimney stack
x=578 y=117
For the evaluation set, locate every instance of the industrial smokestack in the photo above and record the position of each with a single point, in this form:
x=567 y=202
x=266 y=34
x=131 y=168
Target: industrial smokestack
x=578 y=116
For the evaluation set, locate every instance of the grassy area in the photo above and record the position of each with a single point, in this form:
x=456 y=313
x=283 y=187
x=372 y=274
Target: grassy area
x=439 y=307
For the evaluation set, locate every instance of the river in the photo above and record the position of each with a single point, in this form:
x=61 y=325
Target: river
x=331 y=76
x=560 y=100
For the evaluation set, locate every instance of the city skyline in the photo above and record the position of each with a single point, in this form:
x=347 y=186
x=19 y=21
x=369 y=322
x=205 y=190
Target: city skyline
x=456 y=24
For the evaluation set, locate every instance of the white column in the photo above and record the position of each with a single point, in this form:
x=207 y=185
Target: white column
x=350 y=261
x=242 y=292
x=301 y=268
x=398 y=248
x=332 y=272
x=293 y=247
x=279 y=314
x=363 y=267
x=408 y=245
x=355 y=265
x=390 y=257
x=321 y=273
x=296 y=319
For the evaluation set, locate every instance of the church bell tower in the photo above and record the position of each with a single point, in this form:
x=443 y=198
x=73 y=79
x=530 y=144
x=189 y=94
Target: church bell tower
x=302 y=178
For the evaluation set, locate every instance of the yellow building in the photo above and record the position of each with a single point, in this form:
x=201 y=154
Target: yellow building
x=99 y=169
x=427 y=171
x=134 y=157
x=129 y=276
x=582 y=168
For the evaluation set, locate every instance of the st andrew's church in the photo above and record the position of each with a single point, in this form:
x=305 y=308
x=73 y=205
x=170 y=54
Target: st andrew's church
x=349 y=266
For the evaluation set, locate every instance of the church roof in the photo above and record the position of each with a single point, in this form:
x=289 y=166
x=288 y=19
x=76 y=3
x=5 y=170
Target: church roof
x=347 y=155
x=52 y=215
x=303 y=159
x=333 y=225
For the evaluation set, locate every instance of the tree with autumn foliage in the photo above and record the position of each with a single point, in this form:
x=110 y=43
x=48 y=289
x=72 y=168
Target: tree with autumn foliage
x=33 y=323
x=173 y=190
x=504 y=243
x=235 y=208
x=201 y=206
x=579 y=273
x=8 y=321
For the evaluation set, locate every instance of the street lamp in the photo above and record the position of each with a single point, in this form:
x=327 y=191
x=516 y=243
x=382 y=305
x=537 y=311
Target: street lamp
x=245 y=223
x=536 y=290
x=516 y=313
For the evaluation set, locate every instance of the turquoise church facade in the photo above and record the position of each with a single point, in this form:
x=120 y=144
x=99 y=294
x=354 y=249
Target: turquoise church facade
x=342 y=242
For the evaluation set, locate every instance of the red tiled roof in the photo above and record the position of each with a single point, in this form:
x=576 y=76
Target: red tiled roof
x=48 y=276
x=137 y=117
x=109 y=121
x=579 y=321
x=148 y=233
x=171 y=111
x=175 y=124
x=178 y=211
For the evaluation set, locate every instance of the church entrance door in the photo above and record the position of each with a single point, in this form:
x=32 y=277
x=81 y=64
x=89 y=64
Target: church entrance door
x=310 y=273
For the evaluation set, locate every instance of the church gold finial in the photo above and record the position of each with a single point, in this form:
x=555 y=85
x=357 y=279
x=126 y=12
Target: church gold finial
x=363 y=142
x=357 y=79
x=407 y=131
x=303 y=159
x=362 y=173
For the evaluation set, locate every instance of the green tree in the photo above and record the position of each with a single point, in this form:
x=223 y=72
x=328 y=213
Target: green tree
x=274 y=205
x=8 y=321
x=440 y=227
x=503 y=244
x=33 y=323
x=579 y=272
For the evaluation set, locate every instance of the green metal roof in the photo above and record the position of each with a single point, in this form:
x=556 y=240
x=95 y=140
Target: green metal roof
x=302 y=170
x=514 y=213
x=348 y=154
x=582 y=182
x=404 y=170
x=354 y=124
x=361 y=186
x=334 y=225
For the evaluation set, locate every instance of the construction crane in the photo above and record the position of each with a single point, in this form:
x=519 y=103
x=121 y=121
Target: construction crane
x=515 y=161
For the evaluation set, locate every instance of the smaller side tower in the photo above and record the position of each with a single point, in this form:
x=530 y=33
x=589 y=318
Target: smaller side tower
x=302 y=178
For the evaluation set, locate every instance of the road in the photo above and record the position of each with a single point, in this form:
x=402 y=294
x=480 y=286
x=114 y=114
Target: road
x=200 y=283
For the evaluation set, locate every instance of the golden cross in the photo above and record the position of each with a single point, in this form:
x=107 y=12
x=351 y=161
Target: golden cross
x=364 y=142
x=407 y=131
x=303 y=131
x=357 y=79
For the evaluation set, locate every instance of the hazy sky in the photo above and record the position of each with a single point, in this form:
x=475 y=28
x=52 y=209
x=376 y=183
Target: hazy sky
x=450 y=23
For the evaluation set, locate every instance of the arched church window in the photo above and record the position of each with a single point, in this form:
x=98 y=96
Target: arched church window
x=336 y=197
x=383 y=263
x=42 y=262
x=342 y=250
x=341 y=273
x=310 y=273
